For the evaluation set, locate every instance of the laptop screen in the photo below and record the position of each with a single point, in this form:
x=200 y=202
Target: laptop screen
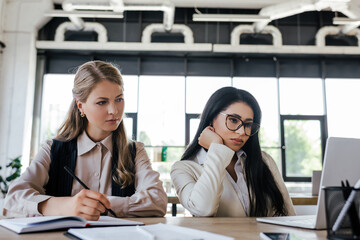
x=341 y=162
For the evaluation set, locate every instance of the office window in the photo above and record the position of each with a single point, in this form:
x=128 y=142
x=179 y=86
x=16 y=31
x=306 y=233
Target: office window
x=301 y=96
x=130 y=122
x=131 y=83
x=194 y=124
x=303 y=132
x=266 y=93
x=56 y=100
x=343 y=107
x=161 y=121
x=199 y=90
x=302 y=147
x=129 y=126
x=161 y=110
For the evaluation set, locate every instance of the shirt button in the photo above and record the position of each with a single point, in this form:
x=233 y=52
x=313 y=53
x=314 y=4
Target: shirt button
x=96 y=174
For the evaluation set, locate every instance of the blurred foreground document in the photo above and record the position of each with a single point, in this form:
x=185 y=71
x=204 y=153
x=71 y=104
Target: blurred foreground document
x=158 y=231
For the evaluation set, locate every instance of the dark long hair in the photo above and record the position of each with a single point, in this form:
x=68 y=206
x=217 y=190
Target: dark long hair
x=265 y=196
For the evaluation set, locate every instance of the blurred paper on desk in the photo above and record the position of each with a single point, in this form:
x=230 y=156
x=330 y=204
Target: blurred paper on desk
x=316 y=176
x=160 y=231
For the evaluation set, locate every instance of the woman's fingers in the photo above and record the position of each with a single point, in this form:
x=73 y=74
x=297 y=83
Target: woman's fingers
x=94 y=204
x=211 y=128
x=98 y=196
x=208 y=136
x=90 y=204
x=87 y=204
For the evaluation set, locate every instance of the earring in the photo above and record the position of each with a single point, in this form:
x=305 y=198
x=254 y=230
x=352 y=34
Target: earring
x=82 y=114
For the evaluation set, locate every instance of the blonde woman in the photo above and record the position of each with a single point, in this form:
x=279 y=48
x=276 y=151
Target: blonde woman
x=92 y=143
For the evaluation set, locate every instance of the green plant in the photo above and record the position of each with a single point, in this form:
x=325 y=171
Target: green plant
x=14 y=165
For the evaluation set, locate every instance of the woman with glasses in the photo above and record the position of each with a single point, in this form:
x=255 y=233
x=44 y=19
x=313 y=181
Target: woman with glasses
x=223 y=171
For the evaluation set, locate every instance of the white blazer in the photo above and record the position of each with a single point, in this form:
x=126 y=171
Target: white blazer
x=205 y=190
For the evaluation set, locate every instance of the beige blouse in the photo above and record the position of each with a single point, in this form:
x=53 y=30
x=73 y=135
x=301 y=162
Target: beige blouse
x=93 y=167
x=204 y=189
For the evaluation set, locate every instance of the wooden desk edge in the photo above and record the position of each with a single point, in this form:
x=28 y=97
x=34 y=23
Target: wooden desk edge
x=307 y=200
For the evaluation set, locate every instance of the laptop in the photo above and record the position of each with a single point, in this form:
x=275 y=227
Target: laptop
x=341 y=162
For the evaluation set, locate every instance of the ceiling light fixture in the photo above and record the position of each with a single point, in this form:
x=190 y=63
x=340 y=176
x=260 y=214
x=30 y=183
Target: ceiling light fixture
x=229 y=18
x=85 y=14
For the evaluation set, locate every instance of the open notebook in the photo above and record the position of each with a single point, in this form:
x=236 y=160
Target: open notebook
x=341 y=162
x=37 y=224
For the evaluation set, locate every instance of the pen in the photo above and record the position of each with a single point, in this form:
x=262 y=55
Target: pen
x=84 y=186
x=346 y=207
x=148 y=234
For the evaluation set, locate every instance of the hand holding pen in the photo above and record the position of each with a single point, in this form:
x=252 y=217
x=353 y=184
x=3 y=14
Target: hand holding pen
x=86 y=187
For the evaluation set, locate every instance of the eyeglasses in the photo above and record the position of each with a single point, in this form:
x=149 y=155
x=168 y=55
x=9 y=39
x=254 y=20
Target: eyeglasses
x=234 y=123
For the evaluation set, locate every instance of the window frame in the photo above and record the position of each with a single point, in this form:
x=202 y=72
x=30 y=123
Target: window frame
x=188 y=117
x=323 y=135
x=134 y=117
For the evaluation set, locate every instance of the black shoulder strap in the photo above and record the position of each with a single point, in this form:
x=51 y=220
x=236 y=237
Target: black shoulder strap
x=117 y=190
x=61 y=154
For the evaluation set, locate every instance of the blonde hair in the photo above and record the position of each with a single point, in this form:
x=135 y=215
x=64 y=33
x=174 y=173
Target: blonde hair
x=87 y=77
